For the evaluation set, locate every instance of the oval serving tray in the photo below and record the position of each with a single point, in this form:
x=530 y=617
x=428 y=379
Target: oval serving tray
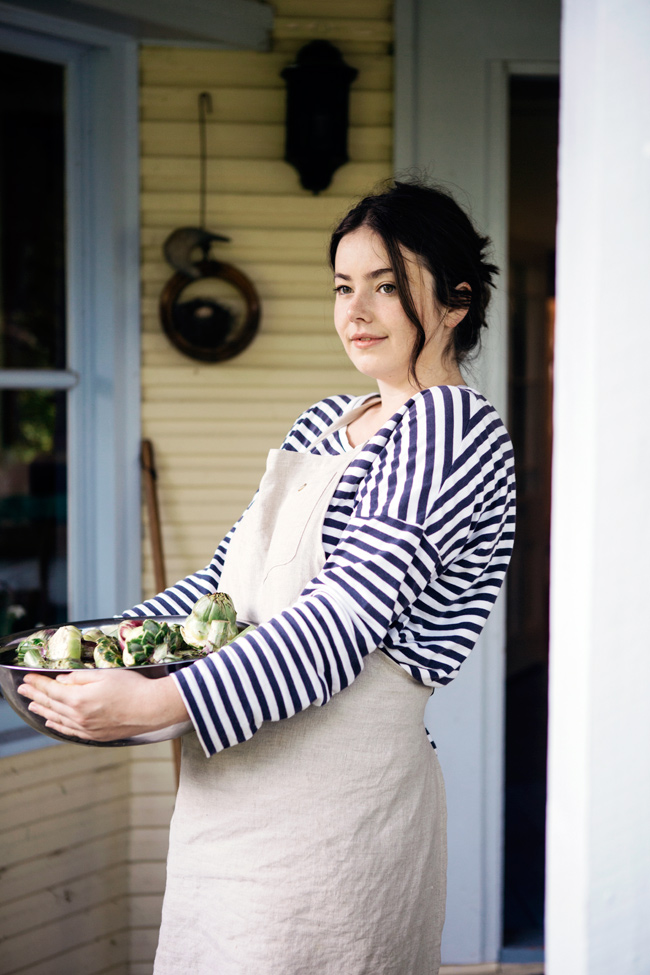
x=11 y=677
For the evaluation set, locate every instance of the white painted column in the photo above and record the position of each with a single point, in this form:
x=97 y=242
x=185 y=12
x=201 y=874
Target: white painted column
x=598 y=890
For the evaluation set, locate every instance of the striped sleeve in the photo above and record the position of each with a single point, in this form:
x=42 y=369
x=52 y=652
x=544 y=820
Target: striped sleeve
x=423 y=502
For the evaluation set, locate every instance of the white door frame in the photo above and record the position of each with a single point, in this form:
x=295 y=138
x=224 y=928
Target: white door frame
x=103 y=314
x=453 y=60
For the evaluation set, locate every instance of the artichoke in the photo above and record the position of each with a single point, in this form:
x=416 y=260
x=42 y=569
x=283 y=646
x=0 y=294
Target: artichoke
x=128 y=629
x=129 y=635
x=142 y=639
x=92 y=634
x=32 y=656
x=134 y=642
x=107 y=652
x=65 y=644
x=212 y=622
x=34 y=645
x=65 y=663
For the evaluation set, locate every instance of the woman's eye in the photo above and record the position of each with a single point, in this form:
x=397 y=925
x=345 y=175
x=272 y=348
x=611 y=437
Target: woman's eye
x=343 y=289
x=387 y=289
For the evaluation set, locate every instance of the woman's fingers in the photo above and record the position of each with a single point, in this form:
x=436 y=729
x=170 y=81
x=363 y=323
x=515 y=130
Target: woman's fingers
x=47 y=703
x=69 y=732
x=104 y=705
x=72 y=703
x=45 y=692
x=53 y=719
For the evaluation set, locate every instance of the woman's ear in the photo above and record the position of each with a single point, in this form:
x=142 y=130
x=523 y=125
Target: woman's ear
x=454 y=316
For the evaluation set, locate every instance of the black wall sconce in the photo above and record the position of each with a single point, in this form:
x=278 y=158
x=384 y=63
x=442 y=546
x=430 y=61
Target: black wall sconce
x=318 y=94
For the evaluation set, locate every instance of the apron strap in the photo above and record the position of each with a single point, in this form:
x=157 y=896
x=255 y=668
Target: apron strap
x=348 y=417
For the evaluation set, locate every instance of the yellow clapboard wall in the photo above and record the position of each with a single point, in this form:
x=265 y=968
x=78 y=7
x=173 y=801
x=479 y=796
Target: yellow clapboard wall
x=212 y=425
x=65 y=815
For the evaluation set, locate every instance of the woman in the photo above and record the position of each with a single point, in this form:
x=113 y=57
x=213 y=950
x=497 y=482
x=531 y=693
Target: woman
x=371 y=557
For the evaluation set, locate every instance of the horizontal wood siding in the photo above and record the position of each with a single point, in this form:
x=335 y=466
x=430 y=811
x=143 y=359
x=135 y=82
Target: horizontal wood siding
x=212 y=425
x=64 y=844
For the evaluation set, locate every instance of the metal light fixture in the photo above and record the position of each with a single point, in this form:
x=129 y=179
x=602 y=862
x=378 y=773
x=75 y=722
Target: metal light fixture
x=318 y=93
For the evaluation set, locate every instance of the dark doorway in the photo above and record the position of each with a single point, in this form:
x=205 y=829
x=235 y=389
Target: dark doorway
x=534 y=104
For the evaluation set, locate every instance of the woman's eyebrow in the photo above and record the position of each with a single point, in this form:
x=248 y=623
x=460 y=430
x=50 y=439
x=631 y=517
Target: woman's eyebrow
x=371 y=274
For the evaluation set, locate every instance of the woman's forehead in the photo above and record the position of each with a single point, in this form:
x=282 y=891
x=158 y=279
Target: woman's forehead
x=366 y=245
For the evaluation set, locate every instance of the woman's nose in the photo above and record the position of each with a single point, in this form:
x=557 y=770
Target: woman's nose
x=358 y=308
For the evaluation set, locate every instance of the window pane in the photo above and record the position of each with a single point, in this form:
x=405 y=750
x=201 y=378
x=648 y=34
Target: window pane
x=32 y=271
x=33 y=577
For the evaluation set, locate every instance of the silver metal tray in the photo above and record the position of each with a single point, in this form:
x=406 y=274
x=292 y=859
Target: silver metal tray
x=12 y=675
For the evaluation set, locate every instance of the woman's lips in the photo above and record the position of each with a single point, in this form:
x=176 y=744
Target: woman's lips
x=366 y=341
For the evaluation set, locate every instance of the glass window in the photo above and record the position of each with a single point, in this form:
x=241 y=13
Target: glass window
x=32 y=248
x=33 y=448
x=33 y=585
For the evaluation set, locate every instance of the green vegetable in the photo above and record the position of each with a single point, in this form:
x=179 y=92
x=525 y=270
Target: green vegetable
x=37 y=643
x=147 y=641
x=199 y=631
x=92 y=634
x=65 y=644
x=107 y=652
x=134 y=642
x=33 y=657
x=66 y=663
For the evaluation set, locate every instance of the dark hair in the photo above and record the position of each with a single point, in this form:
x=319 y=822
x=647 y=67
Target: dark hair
x=427 y=221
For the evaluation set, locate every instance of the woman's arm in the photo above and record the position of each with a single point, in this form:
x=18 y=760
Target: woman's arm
x=103 y=706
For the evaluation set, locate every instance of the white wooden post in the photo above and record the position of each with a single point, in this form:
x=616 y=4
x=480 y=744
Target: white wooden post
x=598 y=890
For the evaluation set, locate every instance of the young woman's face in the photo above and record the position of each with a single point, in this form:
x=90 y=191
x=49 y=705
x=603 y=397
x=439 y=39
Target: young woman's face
x=368 y=315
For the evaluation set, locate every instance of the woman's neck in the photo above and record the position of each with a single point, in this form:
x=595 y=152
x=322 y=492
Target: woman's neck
x=390 y=400
x=393 y=397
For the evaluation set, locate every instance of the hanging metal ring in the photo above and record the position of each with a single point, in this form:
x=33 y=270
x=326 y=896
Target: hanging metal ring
x=227 y=339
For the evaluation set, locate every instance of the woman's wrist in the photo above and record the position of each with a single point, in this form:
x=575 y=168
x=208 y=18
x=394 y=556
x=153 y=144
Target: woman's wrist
x=164 y=704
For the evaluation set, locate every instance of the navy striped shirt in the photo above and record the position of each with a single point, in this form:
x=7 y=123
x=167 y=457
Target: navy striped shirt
x=418 y=537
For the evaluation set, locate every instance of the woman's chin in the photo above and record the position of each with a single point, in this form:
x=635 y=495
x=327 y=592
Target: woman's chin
x=376 y=367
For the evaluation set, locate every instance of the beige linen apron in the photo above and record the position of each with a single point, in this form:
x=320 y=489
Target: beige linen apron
x=319 y=846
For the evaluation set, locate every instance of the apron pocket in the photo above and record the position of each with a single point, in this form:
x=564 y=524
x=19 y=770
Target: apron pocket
x=298 y=509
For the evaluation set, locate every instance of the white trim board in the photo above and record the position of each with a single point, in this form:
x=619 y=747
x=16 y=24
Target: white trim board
x=224 y=23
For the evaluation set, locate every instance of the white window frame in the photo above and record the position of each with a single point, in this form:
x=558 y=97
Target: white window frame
x=103 y=305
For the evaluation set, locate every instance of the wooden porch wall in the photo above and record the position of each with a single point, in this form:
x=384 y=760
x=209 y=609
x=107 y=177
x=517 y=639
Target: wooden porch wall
x=212 y=425
x=64 y=847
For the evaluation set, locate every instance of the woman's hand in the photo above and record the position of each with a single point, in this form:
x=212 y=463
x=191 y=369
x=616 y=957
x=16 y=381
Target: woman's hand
x=102 y=705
